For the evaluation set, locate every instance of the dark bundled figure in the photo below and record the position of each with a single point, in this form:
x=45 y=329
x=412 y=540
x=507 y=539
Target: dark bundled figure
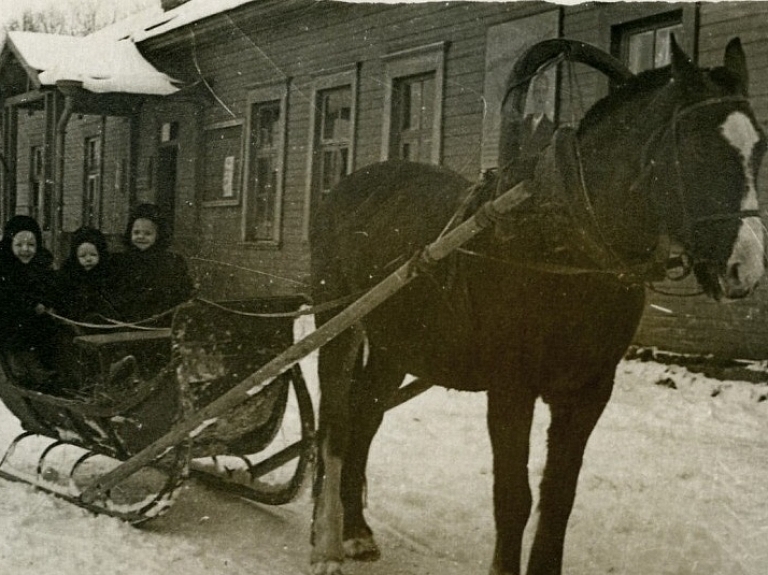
x=27 y=289
x=86 y=278
x=151 y=279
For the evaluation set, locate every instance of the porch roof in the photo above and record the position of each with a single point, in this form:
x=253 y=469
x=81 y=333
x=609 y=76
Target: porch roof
x=100 y=64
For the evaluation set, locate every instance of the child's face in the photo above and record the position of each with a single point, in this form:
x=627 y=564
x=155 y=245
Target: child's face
x=143 y=234
x=24 y=246
x=87 y=255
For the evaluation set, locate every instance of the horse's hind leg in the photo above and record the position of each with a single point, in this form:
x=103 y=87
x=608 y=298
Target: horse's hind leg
x=369 y=397
x=510 y=415
x=335 y=369
x=571 y=424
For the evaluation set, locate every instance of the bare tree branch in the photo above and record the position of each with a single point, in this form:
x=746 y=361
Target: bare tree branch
x=76 y=18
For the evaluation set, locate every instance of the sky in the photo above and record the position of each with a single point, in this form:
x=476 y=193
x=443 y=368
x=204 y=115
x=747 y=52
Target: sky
x=11 y=9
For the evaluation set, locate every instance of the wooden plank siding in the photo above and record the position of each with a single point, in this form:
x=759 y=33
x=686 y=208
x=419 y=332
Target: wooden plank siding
x=250 y=52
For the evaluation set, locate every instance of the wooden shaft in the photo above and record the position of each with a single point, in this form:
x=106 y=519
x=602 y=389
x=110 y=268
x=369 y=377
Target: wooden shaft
x=187 y=429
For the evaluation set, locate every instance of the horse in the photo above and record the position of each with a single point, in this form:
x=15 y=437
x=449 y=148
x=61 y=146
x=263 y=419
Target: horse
x=543 y=304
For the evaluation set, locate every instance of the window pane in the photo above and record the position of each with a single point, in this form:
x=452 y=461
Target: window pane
x=415 y=105
x=268 y=120
x=333 y=138
x=337 y=111
x=641 y=51
x=266 y=185
x=663 y=54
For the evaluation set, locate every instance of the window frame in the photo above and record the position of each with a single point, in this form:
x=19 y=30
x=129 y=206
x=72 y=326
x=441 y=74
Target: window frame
x=421 y=60
x=653 y=17
x=326 y=81
x=92 y=174
x=264 y=96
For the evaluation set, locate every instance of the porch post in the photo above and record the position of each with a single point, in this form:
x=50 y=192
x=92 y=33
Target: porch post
x=58 y=109
x=9 y=152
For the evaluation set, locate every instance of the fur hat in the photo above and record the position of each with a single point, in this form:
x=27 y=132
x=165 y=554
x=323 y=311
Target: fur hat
x=87 y=234
x=152 y=213
x=22 y=223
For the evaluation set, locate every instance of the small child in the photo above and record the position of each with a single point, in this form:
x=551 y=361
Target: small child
x=151 y=279
x=27 y=289
x=86 y=278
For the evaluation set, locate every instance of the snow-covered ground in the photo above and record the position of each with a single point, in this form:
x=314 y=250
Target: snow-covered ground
x=675 y=482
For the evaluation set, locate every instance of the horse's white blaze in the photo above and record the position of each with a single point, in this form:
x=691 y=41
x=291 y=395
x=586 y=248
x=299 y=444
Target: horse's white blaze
x=747 y=256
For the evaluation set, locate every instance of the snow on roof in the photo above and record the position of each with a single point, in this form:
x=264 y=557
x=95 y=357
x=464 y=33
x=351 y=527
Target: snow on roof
x=100 y=63
x=184 y=15
x=41 y=51
x=107 y=60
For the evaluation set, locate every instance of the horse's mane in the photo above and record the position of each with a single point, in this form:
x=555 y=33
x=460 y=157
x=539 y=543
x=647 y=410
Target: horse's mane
x=633 y=89
x=646 y=82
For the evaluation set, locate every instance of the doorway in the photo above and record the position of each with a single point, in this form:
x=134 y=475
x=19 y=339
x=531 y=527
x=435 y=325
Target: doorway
x=167 y=167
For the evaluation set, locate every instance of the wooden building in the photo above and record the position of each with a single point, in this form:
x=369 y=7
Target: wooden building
x=246 y=112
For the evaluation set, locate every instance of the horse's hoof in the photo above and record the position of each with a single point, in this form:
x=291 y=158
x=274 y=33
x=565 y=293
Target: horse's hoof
x=362 y=549
x=327 y=568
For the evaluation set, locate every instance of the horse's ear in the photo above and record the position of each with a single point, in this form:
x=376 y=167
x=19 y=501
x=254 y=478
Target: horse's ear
x=684 y=71
x=736 y=62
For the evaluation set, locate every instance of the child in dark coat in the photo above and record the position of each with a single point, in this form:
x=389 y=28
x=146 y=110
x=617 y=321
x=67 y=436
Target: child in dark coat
x=151 y=279
x=27 y=289
x=86 y=278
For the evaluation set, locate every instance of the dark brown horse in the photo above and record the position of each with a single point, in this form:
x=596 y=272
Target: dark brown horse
x=545 y=304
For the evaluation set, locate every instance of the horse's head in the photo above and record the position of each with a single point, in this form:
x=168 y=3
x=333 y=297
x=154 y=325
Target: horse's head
x=717 y=146
x=700 y=149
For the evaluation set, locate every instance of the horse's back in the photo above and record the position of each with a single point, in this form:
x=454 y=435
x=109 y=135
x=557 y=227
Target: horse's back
x=378 y=216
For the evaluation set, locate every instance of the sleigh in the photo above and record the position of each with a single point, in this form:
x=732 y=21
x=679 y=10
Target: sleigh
x=261 y=450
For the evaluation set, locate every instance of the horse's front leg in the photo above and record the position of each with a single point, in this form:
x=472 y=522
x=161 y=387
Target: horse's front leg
x=335 y=370
x=510 y=413
x=370 y=396
x=572 y=422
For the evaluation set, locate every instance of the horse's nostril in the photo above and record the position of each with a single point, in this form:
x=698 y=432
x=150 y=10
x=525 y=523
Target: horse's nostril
x=733 y=273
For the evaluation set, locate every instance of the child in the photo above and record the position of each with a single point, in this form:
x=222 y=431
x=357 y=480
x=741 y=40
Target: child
x=151 y=279
x=86 y=278
x=27 y=290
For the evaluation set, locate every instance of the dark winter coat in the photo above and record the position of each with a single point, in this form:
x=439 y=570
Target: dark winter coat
x=86 y=294
x=153 y=281
x=22 y=288
x=149 y=283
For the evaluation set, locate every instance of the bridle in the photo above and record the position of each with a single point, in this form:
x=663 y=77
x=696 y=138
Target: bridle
x=673 y=129
x=662 y=258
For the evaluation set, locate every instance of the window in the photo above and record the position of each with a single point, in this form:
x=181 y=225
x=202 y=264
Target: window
x=333 y=112
x=413 y=104
x=92 y=181
x=265 y=159
x=645 y=44
x=39 y=195
x=413 y=114
x=333 y=129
